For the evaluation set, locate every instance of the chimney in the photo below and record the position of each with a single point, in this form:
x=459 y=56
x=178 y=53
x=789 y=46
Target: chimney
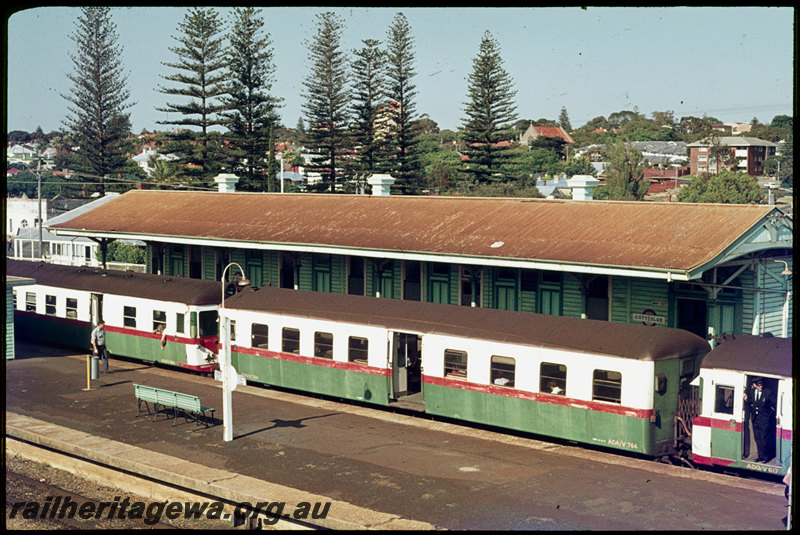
x=381 y=184
x=226 y=182
x=583 y=187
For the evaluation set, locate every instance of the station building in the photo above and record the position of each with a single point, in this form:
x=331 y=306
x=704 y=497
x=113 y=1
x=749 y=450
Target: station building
x=706 y=268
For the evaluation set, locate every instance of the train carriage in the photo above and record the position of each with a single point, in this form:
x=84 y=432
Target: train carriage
x=148 y=317
x=722 y=434
x=609 y=384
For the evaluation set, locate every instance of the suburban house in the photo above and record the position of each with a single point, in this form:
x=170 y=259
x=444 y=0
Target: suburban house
x=733 y=128
x=534 y=132
x=749 y=151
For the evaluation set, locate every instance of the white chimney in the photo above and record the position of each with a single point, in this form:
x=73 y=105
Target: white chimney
x=226 y=182
x=381 y=184
x=583 y=187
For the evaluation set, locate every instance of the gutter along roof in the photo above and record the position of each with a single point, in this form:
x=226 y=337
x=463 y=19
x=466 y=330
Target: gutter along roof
x=659 y=240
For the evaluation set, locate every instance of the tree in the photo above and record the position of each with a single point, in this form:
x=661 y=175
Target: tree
x=624 y=174
x=251 y=110
x=490 y=113
x=201 y=77
x=98 y=99
x=725 y=187
x=326 y=99
x=563 y=120
x=369 y=95
x=401 y=92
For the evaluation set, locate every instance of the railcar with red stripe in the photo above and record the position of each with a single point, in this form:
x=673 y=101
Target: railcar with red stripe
x=722 y=433
x=608 y=384
x=170 y=320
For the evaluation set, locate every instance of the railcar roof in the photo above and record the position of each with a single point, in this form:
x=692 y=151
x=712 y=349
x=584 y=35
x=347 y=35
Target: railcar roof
x=676 y=237
x=753 y=354
x=147 y=286
x=591 y=336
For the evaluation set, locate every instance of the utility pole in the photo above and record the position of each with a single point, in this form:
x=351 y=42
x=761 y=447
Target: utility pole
x=39 y=194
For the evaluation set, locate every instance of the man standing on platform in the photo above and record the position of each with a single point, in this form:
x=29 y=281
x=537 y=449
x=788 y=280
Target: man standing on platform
x=99 y=344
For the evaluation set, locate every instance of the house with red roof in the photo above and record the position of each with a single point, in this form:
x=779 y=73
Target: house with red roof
x=547 y=131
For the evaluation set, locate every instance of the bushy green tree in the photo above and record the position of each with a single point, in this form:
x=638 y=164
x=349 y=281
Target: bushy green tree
x=624 y=174
x=98 y=100
x=727 y=187
x=490 y=114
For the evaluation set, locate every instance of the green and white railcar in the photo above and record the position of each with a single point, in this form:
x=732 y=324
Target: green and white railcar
x=170 y=320
x=609 y=384
x=721 y=433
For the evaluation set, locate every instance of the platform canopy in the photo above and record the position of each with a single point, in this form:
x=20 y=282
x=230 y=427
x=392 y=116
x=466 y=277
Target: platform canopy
x=671 y=241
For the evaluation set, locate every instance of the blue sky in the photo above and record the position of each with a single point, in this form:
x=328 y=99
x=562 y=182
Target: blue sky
x=732 y=63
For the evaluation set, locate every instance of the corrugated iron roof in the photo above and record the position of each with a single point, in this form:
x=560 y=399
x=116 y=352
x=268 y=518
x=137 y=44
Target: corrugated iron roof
x=639 y=235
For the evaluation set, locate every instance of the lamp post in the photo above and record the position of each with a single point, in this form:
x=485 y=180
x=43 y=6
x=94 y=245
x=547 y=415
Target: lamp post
x=225 y=362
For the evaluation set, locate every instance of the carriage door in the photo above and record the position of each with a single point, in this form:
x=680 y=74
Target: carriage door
x=96 y=309
x=406 y=364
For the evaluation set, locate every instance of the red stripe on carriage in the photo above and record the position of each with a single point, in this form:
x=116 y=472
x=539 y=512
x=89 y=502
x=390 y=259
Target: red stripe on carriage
x=207 y=341
x=717 y=423
x=537 y=396
x=314 y=361
x=785 y=434
x=702 y=459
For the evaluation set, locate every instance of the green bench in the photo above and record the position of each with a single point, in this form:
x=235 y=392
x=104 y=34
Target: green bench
x=167 y=399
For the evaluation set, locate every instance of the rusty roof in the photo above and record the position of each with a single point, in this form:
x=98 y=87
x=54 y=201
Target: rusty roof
x=638 y=235
x=539 y=330
x=147 y=286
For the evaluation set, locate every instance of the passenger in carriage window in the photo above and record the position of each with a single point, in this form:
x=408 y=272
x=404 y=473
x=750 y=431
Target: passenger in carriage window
x=554 y=388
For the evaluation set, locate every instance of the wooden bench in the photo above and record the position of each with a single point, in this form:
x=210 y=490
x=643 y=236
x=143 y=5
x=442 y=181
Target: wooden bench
x=166 y=399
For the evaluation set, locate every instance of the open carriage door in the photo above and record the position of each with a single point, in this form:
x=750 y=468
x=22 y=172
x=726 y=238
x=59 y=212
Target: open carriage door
x=406 y=370
x=96 y=309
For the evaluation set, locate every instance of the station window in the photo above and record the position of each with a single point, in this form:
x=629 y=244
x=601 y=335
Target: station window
x=291 y=341
x=455 y=364
x=159 y=319
x=50 y=305
x=129 y=316
x=723 y=401
x=357 y=349
x=553 y=378
x=259 y=336
x=180 y=322
x=501 y=371
x=607 y=386
x=30 y=302
x=323 y=345
x=72 y=307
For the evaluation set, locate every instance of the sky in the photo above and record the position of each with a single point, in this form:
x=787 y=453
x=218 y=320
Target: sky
x=732 y=63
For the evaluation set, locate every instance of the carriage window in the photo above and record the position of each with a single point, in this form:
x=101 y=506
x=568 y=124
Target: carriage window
x=607 y=386
x=50 y=305
x=291 y=340
x=259 y=336
x=208 y=322
x=455 y=364
x=323 y=345
x=233 y=330
x=553 y=378
x=159 y=319
x=357 y=349
x=723 y=402
x=501 y=371
x=180 y=322
x=30 y=302
x=129 y=316
x=72 y=307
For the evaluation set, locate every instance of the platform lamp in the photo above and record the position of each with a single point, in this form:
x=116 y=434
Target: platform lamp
x=225 y=361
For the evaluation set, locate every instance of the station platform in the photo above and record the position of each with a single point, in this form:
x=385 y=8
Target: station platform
x=379 y=470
